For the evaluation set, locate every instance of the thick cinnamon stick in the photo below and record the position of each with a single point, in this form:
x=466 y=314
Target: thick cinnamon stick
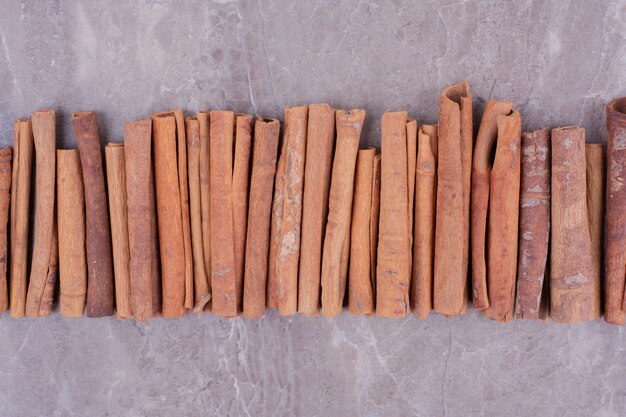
x=424 y=227
x=319 y=160
x=336 y=240
x=266 y=134
x=71 y=227
x=44 y=134
x=596 y=176
x=116 y=181
x=20 y=203
x=574 y=285
x=534 y=233
x=454 y=167
x=5 y=199
x=393 y=270
x=205 y=196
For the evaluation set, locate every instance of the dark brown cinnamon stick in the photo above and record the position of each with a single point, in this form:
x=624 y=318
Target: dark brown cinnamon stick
x=5 y=199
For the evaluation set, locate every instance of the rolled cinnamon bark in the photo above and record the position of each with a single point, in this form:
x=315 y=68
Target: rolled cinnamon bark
x=319 y=160
x=424 y=227
x=205 y=196
x=266 y=133
x=53 y=273
x=411 y=154
x=393 y=271
x=5 y=199
x=615 y=257
x=275 y=227
x=71 y=231
x=98 y=235
x=169 y=215
x=44 y=134
x=201 y=283
x=596 y=176
x=574 y=285
x=157 y=293
x=20 y=203
x=116 y=181
x=454 y=167
x=337 y=238
x=534 y=230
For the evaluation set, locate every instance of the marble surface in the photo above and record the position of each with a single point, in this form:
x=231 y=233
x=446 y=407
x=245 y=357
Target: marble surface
x=558 y=61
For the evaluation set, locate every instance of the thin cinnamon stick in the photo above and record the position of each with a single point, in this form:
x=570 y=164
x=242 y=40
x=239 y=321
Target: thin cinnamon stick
x=71 y=232
x=205 y=196
x=411 y=154
x=319 y=160
x=596 y=176
x=20 y=203
x=266 y=134
x=337 y=238
x=44 y=134
x=5 y=199
x=574 y=285
x=424 y=227
x=534 y=232
x=276 y=225
x=453 y=199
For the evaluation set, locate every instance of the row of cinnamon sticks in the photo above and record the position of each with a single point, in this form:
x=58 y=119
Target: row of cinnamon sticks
x=205 y=213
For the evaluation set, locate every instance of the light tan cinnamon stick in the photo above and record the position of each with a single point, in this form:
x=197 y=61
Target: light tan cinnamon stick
x=335 y=256
x=20 y=203
x=393 y=270
x=205 y=197
x=615 y=258
x=44 y=134
x=596 y=177
x=5 y=201
x=71 y=227
x=424 y=227
x=574 y=285
x=411 y=154
x=266 y=134
x=454 y=167
x=534 y=233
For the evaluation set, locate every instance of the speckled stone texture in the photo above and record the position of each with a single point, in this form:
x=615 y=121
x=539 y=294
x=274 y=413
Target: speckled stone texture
x=558 y=61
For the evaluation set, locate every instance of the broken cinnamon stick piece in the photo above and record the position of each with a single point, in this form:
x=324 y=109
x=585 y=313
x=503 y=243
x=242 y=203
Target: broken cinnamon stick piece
x=534 y=230
x=266 y=134
x=596 y=175
x=574 y=285
x=424 y=227
x=5 y=199
x=71 y=232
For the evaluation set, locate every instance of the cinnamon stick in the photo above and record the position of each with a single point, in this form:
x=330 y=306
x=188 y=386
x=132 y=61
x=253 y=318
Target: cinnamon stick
x=275 y=227
x=424 y=227
x=335 y=255
x=266 y=134
x=411 y=153
x=71 y=232
x=205 y=196
x=596 y=176
x=574 y=285
x=5 y=199
x=615 y=257
x=44 y=134
x=393 y=271
x=454 y=167
x=20 y=203
x=534 y=230
x=319 y=160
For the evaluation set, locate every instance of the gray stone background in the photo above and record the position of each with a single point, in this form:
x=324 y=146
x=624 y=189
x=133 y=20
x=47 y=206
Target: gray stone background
x=559 y=61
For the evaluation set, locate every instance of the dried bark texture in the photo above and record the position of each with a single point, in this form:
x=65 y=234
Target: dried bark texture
x=144 y=283
x=411 y=154
x=71 y=227
x=393 y=275
x=615 y=261
x=275 y=227
x=169 y=214
x=319 y=160
x=424 y=227
x=201 y=282
x=574 y=285
x=116 y=181
x=337 y=238
x=596 y=177
x=266 y=134
x=6 y=155
x=205 y=196
x=454 y=167
x=534 y=233
x=23 y=148
x=362 y=281
x=44 y=134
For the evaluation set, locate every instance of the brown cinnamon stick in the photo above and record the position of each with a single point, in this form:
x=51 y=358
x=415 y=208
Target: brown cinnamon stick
x=20 y=203
x=534 y=230
x=596 y=176
x=411 y=154
x=5 y=199
x=266 y=134
x=393 y=270
x=335 y=256
x=574 y=285
x=275 y=227
x=319 y=160
x=454 y=167
x=205 y=196
x=44 y=134
x=71 y=232
x=424 y=227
